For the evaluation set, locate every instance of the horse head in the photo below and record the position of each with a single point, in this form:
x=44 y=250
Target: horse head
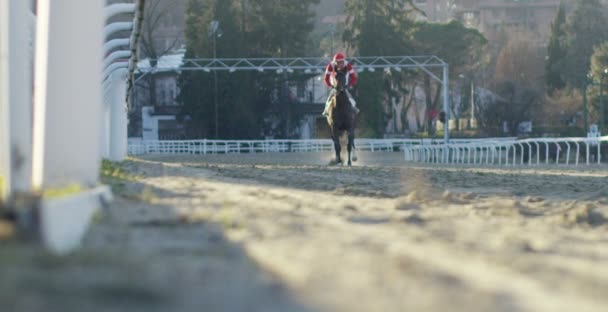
x=340 y=80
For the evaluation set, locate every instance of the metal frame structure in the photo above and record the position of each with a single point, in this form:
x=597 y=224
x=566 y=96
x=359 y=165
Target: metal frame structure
x=318 y=64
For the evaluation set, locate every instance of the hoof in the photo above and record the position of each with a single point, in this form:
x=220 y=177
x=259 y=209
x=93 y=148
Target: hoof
x=355 y=158
x=334 y=162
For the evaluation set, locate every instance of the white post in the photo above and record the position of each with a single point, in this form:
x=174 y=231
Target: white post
x=15 y=97
x=472 y=103
x=446 y=86
x=118 y=115
x=113 y=28
x=68 y=97
x=113 y=44
x=104 y=141
x=20 y=91
x=446 y=109
x=4 y=100
x=118 y=8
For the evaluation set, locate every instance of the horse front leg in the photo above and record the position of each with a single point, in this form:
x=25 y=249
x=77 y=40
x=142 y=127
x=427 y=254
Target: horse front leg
x=351 y=145
x=338 y=150
x=336 y=138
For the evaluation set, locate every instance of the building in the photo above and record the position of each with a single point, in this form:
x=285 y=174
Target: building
x=164 y=22
x=154 y=109
x=493 y=17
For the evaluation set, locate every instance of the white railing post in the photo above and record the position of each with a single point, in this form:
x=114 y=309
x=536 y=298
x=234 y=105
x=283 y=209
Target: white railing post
x=5 y=167
x=599 y=153
x=113 y=28
x=118 y=116
x=118 y=8
x=116 y=75
x=113 y=44
x=446 y=86
x=67 y=84
x=16 y=33
x=67 y=106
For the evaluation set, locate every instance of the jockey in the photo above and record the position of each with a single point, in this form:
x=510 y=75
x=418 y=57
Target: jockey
x=339 y=64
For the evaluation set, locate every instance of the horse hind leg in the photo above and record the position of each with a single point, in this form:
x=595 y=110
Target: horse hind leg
x=354 y=148
x=352 y=134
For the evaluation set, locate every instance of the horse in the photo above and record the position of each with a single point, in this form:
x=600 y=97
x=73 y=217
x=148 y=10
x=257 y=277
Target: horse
x=342 y=118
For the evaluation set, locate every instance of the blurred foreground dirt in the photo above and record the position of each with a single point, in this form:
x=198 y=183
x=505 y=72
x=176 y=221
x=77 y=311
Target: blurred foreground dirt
x=285 y=232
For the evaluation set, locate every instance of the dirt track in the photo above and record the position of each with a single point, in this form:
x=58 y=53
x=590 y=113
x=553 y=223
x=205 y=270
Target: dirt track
x=284 y=232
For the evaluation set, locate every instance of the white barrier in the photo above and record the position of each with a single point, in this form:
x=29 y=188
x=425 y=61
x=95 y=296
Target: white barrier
x=253 y=146
x=539 y=151
x=64 y=81
x=118 y=8
x=15 y=97
x=67 y=105
x=115 y=43
x=5 y=167
x=115 y=75
x=113 y=28
x=141 y=147
x=490 y=151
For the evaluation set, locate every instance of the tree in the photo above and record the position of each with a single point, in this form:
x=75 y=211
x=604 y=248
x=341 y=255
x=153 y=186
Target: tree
x=585 y=29
x=281 y=28
x=198 y=88
x=248 y=101
x=377 y=27
x=556 y=52
x=155 y=13
x=599 y=64
x=514 y=103
x=153 y=44
x=518 y=86
x=462 y=48
x=521 y=61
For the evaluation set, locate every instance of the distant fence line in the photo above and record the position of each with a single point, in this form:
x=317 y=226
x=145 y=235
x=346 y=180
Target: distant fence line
x=538 y=151
x=487 y=151
x=143 y=147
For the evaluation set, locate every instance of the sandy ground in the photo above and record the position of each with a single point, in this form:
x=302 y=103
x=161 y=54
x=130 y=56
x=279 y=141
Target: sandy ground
x=285 y=232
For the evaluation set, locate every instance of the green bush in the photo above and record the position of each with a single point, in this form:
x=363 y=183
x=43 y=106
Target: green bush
x=558 y=131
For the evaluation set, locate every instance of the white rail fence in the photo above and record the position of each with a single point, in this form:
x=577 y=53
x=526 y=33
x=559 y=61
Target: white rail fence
x=491 y=151
x=243 y=146
x=140 y=147
x=38 y=53
x=540 y=151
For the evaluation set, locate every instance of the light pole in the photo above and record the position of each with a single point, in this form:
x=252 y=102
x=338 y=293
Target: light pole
x=472 y=104
x=602 y=110
x=215 y=32
x=472 y=101
x=588 y=81
x=332 y=30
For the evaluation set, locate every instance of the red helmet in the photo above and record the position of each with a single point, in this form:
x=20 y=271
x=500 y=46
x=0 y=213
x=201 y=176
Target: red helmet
x=339 y=57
